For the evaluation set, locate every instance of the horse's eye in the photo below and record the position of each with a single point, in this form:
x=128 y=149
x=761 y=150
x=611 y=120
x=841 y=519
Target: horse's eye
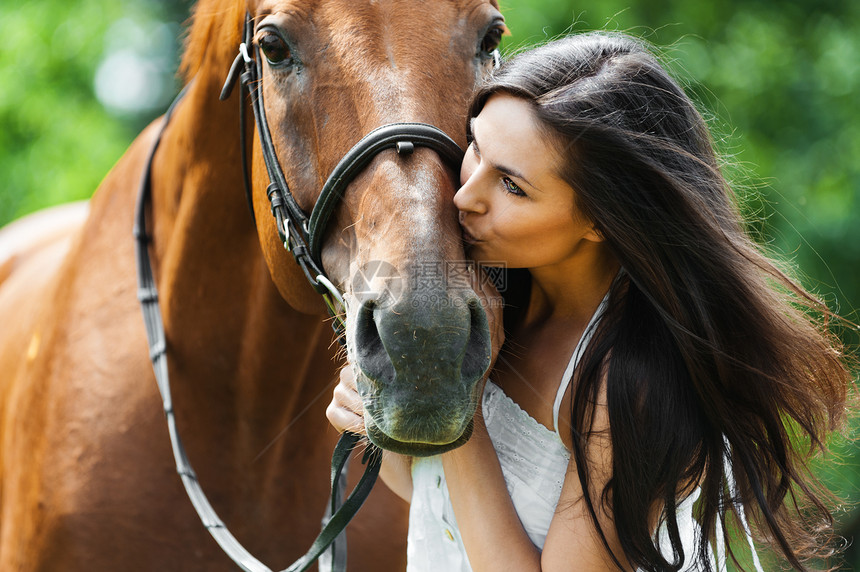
x=491 y=40
x=275 y=49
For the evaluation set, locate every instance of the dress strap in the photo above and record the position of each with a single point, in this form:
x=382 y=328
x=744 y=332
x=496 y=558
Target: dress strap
x=574 y=359
x=739 y=507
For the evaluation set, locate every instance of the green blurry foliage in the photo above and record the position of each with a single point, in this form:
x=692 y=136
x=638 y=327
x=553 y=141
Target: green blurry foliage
x=778 y=81
x=56 y=140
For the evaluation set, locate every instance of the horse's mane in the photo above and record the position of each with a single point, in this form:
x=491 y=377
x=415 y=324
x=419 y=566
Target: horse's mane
x=214 y=25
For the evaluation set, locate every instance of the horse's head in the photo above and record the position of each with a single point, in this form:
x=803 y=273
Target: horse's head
x=332 y=72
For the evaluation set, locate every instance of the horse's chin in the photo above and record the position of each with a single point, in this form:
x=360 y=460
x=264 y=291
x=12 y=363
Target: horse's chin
x=415 y=449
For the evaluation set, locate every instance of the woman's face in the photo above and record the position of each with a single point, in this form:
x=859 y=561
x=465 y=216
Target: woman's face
x=515 y=210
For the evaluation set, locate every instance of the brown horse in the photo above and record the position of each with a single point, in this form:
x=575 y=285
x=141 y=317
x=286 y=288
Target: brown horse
x=87 y=480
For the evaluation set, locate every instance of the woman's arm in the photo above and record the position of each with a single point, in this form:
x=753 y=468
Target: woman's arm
x=491 y=530
x=346 y=413
x=572 y=536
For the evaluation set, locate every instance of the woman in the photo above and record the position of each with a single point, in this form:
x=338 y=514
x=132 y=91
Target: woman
x=654 y=357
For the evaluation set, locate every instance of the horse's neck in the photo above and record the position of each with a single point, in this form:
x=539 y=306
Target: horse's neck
x=232 y=338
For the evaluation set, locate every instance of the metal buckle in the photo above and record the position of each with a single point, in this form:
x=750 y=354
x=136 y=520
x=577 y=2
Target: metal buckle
x=243 y=49
x=335 y=312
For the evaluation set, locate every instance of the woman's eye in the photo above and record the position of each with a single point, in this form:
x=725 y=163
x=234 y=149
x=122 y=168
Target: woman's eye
x=512 y=187
x=275 y=49
x=491 y=41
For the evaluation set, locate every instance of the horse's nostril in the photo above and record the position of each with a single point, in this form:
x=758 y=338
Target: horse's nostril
x=476 y=358
x=372 y=357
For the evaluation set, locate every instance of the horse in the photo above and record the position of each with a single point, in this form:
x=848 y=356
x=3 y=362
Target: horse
x=87 y=477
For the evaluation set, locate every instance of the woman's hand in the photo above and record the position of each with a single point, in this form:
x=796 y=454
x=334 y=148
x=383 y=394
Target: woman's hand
x=346 y=412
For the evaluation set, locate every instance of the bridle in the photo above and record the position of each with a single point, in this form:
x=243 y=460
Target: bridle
x=302 y=235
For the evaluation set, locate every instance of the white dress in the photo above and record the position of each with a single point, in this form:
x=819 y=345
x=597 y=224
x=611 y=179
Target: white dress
x=534 y=462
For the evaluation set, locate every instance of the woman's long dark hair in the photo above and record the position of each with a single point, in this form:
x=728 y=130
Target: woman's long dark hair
x=708 y=350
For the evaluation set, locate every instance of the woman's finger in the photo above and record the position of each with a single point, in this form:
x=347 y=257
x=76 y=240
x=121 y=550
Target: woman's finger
x=343 y=419
x=347 y=378
x=346 y=411
x=348 y=398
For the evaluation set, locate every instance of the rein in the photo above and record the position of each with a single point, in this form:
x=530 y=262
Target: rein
x=338 y=513
x=302 y=235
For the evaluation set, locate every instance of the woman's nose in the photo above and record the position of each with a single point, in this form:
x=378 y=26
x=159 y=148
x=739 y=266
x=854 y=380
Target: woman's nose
x=468 y=198
x=466 y=201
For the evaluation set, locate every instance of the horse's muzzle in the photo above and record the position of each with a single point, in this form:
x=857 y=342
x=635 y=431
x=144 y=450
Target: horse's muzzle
x=420 y=365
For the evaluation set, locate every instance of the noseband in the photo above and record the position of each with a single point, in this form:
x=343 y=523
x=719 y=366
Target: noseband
x=303 y=235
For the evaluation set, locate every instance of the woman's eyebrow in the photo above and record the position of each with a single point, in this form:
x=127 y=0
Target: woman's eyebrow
x=500 y=168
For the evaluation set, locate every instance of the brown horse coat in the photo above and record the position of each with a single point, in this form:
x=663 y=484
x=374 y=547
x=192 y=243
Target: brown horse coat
x=87 y=480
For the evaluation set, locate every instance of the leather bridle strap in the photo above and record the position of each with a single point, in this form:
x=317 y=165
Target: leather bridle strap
x=340 y=514
x=302 y=234
x=402 y=137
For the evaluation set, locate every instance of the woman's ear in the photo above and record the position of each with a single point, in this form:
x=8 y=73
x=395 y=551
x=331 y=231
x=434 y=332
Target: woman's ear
x=594 y=235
